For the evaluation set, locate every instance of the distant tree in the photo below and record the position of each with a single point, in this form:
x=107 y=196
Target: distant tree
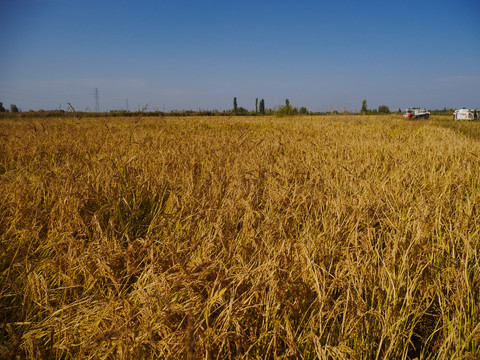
x=364 y=107
x=256 y=105
x=383 y=109
x=2 y=109
x=303 y=110
x=286 y=109
x=399 y=110
x=235 y=106
x=13 y=108
x=262 y=107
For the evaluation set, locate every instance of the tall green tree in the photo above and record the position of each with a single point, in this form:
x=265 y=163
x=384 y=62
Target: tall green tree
x=256 y=105
x=2 y=109
x=364 y=107
x=13 y=108
x=289 y=110
x=262 y=107
x=235 y=106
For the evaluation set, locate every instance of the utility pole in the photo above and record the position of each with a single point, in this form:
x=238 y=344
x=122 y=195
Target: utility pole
x=97 y=101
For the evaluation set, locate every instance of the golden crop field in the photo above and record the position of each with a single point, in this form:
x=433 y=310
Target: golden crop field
x=316 y=237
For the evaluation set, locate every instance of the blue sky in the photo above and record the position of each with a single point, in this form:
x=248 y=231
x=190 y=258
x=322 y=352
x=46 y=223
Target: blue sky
x=185 y=54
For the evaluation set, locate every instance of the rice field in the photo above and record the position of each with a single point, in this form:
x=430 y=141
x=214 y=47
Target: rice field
x=314 y=237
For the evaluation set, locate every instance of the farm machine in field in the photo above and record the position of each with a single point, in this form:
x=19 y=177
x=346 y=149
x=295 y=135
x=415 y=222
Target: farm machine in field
x=416 y=113
x=466 y=114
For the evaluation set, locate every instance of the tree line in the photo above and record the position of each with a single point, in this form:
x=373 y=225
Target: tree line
x=259 y=107
x=286 y=109
x=13 y=108
x=281 y=110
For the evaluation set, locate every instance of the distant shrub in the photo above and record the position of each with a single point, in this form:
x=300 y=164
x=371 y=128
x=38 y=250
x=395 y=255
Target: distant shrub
x=383 y=109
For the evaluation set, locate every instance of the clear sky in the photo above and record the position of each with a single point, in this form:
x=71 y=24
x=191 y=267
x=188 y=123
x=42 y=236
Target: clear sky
x=186 y=54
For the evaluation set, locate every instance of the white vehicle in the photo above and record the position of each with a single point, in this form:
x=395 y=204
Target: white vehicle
x=416 y=113
x=465 y=114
